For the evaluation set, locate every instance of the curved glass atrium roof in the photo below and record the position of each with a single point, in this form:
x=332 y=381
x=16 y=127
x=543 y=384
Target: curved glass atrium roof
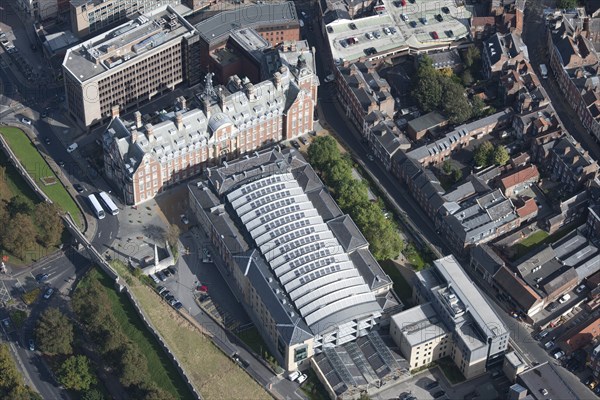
x=301 y=250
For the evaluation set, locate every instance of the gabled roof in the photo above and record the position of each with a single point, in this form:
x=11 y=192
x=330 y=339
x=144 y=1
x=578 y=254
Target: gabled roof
x=521 y=176
x=520 y=292
x=346 y=231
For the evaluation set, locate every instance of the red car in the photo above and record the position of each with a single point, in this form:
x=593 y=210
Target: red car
x=435 y=35
x=403 y=2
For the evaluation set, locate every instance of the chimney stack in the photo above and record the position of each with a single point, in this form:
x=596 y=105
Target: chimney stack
x=114 y=111
x=134 y=135
x=277 y=80
x=251 y=91
x=150 y=132
x=138 y=119
x=179 y=120
x=182 y=103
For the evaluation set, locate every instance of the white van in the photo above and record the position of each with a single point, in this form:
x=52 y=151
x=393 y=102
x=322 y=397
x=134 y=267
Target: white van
x=293 y=376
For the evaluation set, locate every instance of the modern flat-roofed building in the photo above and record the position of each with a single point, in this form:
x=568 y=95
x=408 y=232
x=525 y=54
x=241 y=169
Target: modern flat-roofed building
x=476 y=338
x=543 y=382
x=238 y=118
x=129 y=65
x=93 y=16
x=275 y=22
x=422 y=336
x=300 y=267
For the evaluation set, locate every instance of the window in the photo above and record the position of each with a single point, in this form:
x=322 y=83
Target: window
x=300 y=353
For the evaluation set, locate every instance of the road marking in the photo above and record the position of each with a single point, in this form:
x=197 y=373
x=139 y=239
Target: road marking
x=100 y=234
x=110 y=236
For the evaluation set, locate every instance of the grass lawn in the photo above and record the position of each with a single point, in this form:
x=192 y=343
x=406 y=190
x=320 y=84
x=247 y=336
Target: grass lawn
x=37 y=167
x=211 y=372
x=16 y=183
x=401 y=287
x=162 y=371
x=540 y=238
x=450 y=371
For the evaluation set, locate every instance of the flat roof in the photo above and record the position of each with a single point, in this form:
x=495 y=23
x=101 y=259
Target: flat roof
x=478 y=307
x=218 y=27
x=545 y=376
x=419 y=324
x=453 y=27
x=123 y=44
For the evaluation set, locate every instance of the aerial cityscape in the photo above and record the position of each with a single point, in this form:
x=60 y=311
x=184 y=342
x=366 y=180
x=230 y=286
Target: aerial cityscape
x=312 y=200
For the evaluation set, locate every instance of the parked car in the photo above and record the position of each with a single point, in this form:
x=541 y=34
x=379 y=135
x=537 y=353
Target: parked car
x=48 y=293
x=438 y=394
x=558 y=354
x=434 y=35
x=352 y=25
x=588 y=380
x=161 y=289
x=47 y=140
x=165 y=294
x=72 y=147
x=172 y=270
x=303 y=140
x=78 y=187
x=404 y=17
x=549 y=345
x=445 y=10
x=552 y=306
x=26 y=121
x=301 y=378
x=184 y=219
x=432 y=385
x=173 y=301
x=580 y=288
x=166 y=272
x=439 y=17
x=565 y=297
x=295 y=144
x=169 y=297
x=154 y=278
x=161 y=276
x=41 y=277
x=31 y=345
x=177 y=305
x=61 y=163
x=329 y=78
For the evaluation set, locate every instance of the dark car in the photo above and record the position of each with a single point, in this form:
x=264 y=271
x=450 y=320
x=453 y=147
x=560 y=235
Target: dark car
x=61 y=163
x=303 y=140
x=352 y=25
x=44 y=114
x=169 y=297
x=445 y=10
x=432 y=385
x=78 y=187
x=41 y=277
x=165 y=294
x=172 y=270
x=439 y=17
x=295 y=144
x=552 y=306
x=413 y=24
x=438 y=394
x=177 y=305
x=47 y=140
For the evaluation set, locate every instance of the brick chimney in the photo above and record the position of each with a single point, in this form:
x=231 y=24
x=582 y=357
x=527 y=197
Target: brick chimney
x=251 y=91
x=277 y=77
x=114 y=112
x=150 y=132
x=134 y=135
x=182 y=102
x=138 y=119
x=179 y=120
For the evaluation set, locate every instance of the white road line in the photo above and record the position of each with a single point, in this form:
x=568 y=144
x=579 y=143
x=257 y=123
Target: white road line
x=110 y=236
x=100 y=234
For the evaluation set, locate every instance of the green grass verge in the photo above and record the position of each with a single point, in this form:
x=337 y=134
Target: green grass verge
x=16 y=183
x=450 y=371
x=540 y=238
x=162 y=371
x=401 y=287
x=37 y=167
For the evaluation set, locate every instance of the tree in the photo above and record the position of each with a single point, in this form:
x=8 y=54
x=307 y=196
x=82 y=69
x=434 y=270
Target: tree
x=153 y=392
x=566 y=4
x=92 y=394
x=500 y=155
x=466 y=78
x=457 y=175
x=322 y=151
x=447 y=167
x=75 y=373
x=19 y=205
x=173 y=235
x=428 y=90
x=478 y=107
x=351 y=194
x=20 y=237
x=481 y=155
x=338 y=172
x=54 y=332
x=471 y=56
x=455 y=104
x=5 y=192
x=49 y=223
x=133 y=365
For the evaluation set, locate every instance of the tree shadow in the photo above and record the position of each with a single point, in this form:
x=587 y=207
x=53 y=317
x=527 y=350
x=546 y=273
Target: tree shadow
x=154 y=232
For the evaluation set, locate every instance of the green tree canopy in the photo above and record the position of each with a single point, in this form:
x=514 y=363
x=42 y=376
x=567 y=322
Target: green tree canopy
x=92 y=394
x=323 y=151
x=500 y=155
x=471 y=56
x=54 y=332
x=478 y=107
x=455 y=104
x=49 y=223
x=339 y=172
x=133 y=365
x=20 y=238
x=19 y=205
x=428 y=89
x=482 y=153
x=75 y=374
x=566 y=4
